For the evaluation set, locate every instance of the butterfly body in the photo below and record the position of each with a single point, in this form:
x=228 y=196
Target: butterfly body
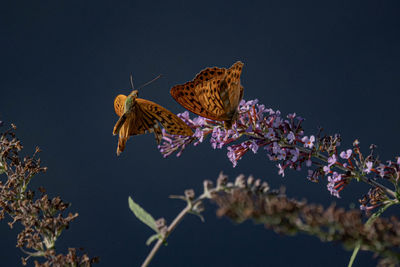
x=140 y=116
x=214 y=93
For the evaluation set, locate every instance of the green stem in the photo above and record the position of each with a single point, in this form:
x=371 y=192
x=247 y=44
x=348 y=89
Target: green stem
x=368 y=223
x=172 y=227
x=354 y=255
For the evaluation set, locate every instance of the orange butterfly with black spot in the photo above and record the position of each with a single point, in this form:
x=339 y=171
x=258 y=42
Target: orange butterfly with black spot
x=214 y=93
x=139 y=116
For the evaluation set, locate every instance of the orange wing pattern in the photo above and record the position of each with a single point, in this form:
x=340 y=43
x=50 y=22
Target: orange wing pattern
x=172 y=123
x=214 y=93
x=145 y=118
x=119 y=104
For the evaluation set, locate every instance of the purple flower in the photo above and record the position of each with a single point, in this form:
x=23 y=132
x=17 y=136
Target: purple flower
x=246 y=106
x=281 y=170
x=277 y=122
x=261 y=111
x=347 y=154
x=184 y=116
x=199 y=121
x=270 y=134
x=308 y=163
x=333 y=182
x=368 y=165
x=381 y=170
x=276 y=149
x=253 y=146
x=332 y=160
x=291 y=137
x=308 y=142
x=199 y=134
x=327 y=169
x=232 y=157
x=217 y=138
x=295 y=154
x=398 y=160
x=282 y=154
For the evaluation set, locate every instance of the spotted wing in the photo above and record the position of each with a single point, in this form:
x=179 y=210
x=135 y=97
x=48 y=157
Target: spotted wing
x=136 y=122
x=156 y=113
x=188 y=94
x=233 y=92
x=213 y=93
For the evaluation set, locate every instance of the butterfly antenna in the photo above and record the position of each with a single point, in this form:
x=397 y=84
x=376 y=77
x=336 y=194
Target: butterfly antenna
x=131 y=79
x=156 y=78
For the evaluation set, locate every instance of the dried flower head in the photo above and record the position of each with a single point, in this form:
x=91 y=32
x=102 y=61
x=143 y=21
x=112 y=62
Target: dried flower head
x=43 y=218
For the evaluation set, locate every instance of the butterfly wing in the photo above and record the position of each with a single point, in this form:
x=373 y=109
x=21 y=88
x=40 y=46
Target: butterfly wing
x=192 y=95
x=232 y=93
x=119 y=104
x=214 y=93
x=135 y=123
x=124 y=133
x=119 y=107
x=156 y=113
x=209 y=95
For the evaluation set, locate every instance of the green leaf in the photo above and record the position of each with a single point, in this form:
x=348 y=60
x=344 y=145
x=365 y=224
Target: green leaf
x=142 y=215
x=152 y=238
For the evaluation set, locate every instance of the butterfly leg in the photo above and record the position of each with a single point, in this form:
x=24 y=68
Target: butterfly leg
x=157 y=132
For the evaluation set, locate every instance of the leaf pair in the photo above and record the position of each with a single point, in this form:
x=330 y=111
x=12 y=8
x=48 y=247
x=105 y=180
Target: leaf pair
x=214 y=93
x=146 y=218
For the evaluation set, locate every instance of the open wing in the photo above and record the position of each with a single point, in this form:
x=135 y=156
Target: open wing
x=172 y=123
x=214 y=93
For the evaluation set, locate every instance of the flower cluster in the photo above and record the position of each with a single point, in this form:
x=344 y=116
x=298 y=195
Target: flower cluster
x=283 y=140
x=42 y=218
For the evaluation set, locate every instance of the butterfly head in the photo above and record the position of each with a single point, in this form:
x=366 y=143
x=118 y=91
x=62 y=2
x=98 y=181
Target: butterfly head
x=134 y=94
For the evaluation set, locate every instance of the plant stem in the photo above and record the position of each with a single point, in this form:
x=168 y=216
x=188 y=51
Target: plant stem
x=171 y=227
x=354 y=255
x=369 y=222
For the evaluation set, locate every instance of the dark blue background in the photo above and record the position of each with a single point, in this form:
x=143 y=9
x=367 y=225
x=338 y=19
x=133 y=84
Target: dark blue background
x=63 y=62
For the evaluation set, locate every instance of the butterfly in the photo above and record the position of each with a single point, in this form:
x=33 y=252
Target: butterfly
x=214 y=93
x=139 y=116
